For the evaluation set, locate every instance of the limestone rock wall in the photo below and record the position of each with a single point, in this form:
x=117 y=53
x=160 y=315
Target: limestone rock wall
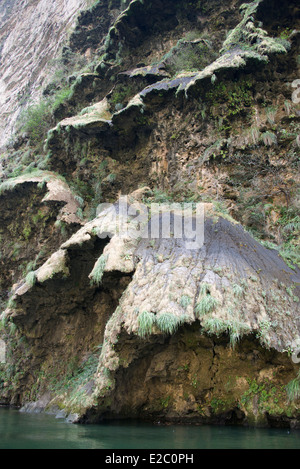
x=42 y=26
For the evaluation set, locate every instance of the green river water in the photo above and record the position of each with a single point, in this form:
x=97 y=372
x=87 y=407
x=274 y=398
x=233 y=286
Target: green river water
x=39 y=431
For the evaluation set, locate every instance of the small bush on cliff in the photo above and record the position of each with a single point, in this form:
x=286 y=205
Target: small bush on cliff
x=35 y=122
x=189 y=55
x=38 y=118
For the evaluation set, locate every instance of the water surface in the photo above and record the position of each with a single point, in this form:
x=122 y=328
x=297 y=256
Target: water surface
x=39 y=431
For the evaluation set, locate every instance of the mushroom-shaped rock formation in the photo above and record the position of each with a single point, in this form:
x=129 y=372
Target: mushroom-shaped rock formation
x=117 y=295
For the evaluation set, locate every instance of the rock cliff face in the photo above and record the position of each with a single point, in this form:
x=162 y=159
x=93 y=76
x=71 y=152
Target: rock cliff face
x=31 y=36
x=189 y=103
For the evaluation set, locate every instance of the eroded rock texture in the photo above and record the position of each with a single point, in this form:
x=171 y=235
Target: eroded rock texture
x=36 y=213
x=32 y=34
x=147 y=290
x=184 y=102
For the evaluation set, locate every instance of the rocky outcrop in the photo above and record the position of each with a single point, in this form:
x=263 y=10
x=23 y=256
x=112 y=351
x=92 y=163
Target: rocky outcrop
x=210 y=104
x=37 y=211
x=137 y=295
x=117 y=322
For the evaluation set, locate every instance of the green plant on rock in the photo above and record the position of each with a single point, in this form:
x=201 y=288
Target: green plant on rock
x=217 y=405
x=191 y=53
x=30 y=279
x=236 y=329
x=146 y=322
x=254 y=134
x=97 y=273
x=215 y=326
x=265 y=396
x=11 y=304
x=235 y=95
x=206 y=305
x=207 y=302
x=263 y=333
x=168 y=323
x=165 y=402
x=38 y=117
x=185 y=301
x=293 y=389
x=271 y=112
x=35 y=122
x=289 y=225
x=121 y=94
x=72 y=382
x=269 y=138
x=238 y=290
x=253 y=39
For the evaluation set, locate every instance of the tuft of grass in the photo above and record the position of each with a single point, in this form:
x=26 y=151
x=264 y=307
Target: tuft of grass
x=235 y=329
x=30 y=279
x=293 y=389
x=97 y=273
x=12 y=328
x=11 y=304
x=269 y=138
x=3 y=323
x=254 y=134
x=146 y=321
x=271 y=112
x=185 y=300
x=206 y=305
x=207 y=302
x=168 y=323
x=238 y=290
x=215 y=326
x=288 y=105
x=35 y=121
x=263 y=332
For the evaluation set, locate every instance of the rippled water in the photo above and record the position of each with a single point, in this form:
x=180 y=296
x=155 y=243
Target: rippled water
x=39 y=431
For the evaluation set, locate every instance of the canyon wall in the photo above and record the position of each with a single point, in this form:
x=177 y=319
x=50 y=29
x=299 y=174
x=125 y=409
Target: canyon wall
x=32 y=33
x=153 y=103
